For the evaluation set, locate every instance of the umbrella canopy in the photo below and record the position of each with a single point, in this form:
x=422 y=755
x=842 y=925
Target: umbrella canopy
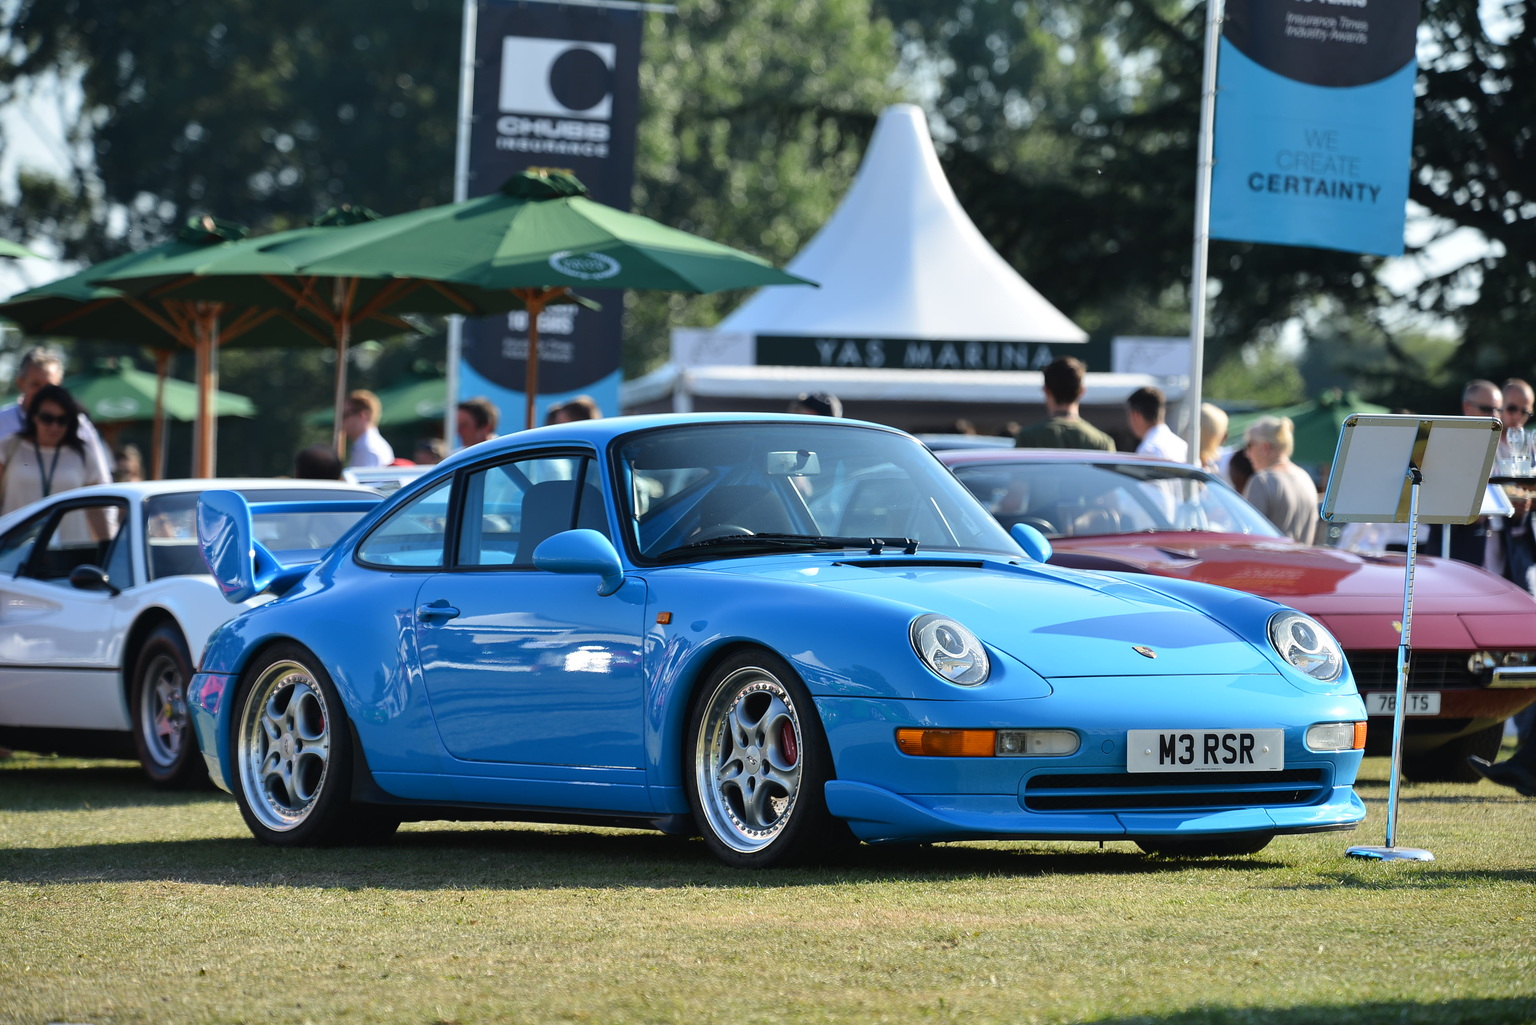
x=1317 y=424
x=11 y=249
x=527 y=245
x=269 y=273
x=118 y=394
x=80 y=306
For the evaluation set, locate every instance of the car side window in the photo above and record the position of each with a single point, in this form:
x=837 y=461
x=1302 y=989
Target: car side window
x=17 y=544
x=84 y=535
x=512 y=507
x=412 y=536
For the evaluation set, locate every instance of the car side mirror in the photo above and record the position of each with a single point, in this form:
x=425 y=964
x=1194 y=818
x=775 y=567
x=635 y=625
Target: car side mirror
x=581 y=551
x=93 y=578
x=1032 y=541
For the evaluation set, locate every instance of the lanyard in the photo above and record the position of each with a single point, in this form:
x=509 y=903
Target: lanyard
x=47 y=474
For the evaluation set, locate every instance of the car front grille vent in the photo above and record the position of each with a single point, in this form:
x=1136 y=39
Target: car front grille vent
x=1141 y=791
x=1432 y=670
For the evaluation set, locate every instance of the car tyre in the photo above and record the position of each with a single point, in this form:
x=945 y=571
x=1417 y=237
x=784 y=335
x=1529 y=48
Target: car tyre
x=162 y=726
x=1208 y=847
x=293 y=750
x=1448 y=762
x=757 y=767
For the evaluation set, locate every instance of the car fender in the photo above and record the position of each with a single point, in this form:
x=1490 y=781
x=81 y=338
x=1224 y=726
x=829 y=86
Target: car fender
x=845 y=645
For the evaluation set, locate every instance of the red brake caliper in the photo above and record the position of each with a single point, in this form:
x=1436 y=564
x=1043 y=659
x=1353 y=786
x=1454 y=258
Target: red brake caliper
x=787 y=742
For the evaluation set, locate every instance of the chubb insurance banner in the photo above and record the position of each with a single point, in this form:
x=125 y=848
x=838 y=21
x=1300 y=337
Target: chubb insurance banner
x=554 y=86
x=1314 y=123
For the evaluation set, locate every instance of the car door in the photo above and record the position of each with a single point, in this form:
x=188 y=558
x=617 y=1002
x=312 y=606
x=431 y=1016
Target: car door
x=522 y=665
x=61 y=646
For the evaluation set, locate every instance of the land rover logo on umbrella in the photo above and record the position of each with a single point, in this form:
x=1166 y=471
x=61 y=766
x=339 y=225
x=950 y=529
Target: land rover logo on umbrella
x=587 y=266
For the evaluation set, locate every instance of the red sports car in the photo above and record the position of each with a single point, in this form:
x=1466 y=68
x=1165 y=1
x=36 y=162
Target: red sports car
x=1473 y=658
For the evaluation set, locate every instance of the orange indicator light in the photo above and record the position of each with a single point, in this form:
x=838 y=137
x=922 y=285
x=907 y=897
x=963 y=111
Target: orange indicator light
x=663 y=618
x=947 y=743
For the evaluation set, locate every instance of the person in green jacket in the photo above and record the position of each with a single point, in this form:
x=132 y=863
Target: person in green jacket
x=1064 y=427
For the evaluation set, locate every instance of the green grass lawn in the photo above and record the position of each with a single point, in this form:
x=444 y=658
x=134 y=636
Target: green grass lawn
x=119 y=903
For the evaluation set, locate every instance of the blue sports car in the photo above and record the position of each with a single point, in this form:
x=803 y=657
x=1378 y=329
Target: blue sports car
x=787 y=634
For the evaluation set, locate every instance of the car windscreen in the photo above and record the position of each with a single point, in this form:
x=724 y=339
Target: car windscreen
x=689 y=484
x=170 y=527
x=1066 y=499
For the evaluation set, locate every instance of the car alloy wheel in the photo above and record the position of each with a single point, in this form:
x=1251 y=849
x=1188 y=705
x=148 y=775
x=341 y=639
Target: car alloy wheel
x=162 y=725
x=758 y=764
x=285 y=745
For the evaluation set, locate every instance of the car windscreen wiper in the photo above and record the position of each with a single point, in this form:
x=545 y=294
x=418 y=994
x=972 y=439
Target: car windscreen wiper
x=794 y=542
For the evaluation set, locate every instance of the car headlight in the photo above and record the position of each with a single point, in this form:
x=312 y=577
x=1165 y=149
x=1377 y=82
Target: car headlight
x=950 y=650
x=1305 y=644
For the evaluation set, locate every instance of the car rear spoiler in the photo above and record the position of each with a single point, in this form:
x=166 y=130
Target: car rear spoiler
x=241 y=565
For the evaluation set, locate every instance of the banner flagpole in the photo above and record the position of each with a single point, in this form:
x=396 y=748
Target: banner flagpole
x=460 y=193
x=1206 y=162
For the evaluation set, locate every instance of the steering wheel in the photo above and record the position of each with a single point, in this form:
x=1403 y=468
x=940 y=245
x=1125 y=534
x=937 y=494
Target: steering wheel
x=719 y=530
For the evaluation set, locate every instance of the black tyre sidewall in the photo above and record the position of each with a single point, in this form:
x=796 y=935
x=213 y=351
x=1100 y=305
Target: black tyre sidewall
x=188 y=769
x=330 y=820
x=812 y=832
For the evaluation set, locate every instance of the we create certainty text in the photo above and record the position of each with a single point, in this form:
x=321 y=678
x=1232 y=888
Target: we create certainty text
x=1317 y=168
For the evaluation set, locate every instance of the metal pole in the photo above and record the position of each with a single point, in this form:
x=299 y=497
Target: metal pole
x=460 y=193
x=1392 y=852
x=1207 y=160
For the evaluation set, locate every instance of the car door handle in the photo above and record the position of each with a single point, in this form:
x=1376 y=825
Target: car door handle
x=439 y=609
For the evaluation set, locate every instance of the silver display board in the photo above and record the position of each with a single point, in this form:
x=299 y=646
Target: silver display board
x=1370 y=479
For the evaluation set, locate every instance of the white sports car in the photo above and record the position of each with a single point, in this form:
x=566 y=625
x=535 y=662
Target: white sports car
x=106 y=604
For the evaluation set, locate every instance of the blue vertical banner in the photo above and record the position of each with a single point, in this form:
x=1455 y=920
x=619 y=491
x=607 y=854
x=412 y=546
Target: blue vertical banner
x=1314 y=123
x=555 y=85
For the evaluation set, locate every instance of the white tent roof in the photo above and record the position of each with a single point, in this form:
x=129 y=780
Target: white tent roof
x=901 y=259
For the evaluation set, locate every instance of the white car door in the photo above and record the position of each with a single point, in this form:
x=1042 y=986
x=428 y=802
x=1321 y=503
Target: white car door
x=61 y=644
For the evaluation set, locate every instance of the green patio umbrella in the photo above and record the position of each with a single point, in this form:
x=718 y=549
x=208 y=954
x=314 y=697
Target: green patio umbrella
x=11 y=249
x=267 y=273
x=528 y=245
x=1317 y=424
x=121 y=393
x=78 y=306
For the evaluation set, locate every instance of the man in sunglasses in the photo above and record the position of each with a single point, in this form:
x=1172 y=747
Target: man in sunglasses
x=37 y=368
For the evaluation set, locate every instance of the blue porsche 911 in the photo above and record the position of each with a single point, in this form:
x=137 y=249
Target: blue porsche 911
x=786 y=634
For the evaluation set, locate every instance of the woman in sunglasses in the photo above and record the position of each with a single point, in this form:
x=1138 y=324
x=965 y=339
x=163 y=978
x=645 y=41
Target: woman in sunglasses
x=48 y=456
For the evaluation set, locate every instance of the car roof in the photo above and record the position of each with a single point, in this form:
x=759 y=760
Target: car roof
x=599 y=433
x=1053 y=455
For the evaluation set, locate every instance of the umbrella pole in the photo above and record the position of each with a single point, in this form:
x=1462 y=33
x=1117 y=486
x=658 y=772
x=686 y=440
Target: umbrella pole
x=207 y=381
x=341 y=303
x=157 y=433
x=534 y=301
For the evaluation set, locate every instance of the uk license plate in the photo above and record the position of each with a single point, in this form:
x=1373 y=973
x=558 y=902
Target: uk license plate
x=1205 y=750
x=1418 y=702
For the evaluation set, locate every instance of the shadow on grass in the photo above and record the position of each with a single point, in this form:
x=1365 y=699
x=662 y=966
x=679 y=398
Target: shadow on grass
x=99 y=785
x=1472 y=1011
x=427 y=858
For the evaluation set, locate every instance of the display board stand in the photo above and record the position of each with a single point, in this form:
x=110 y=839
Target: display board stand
x=1408 y=469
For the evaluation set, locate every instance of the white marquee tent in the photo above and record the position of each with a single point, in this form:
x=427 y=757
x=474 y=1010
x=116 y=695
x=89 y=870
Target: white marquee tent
x=915 y=309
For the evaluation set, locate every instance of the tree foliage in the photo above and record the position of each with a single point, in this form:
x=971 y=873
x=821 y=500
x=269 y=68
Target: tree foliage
x=1475 y=167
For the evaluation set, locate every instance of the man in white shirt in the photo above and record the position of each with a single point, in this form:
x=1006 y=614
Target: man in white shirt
x=1145 y=411
x=38 y=367
x=359 y=417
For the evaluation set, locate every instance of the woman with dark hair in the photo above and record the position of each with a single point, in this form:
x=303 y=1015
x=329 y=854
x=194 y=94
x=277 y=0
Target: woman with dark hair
x=48 y=456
